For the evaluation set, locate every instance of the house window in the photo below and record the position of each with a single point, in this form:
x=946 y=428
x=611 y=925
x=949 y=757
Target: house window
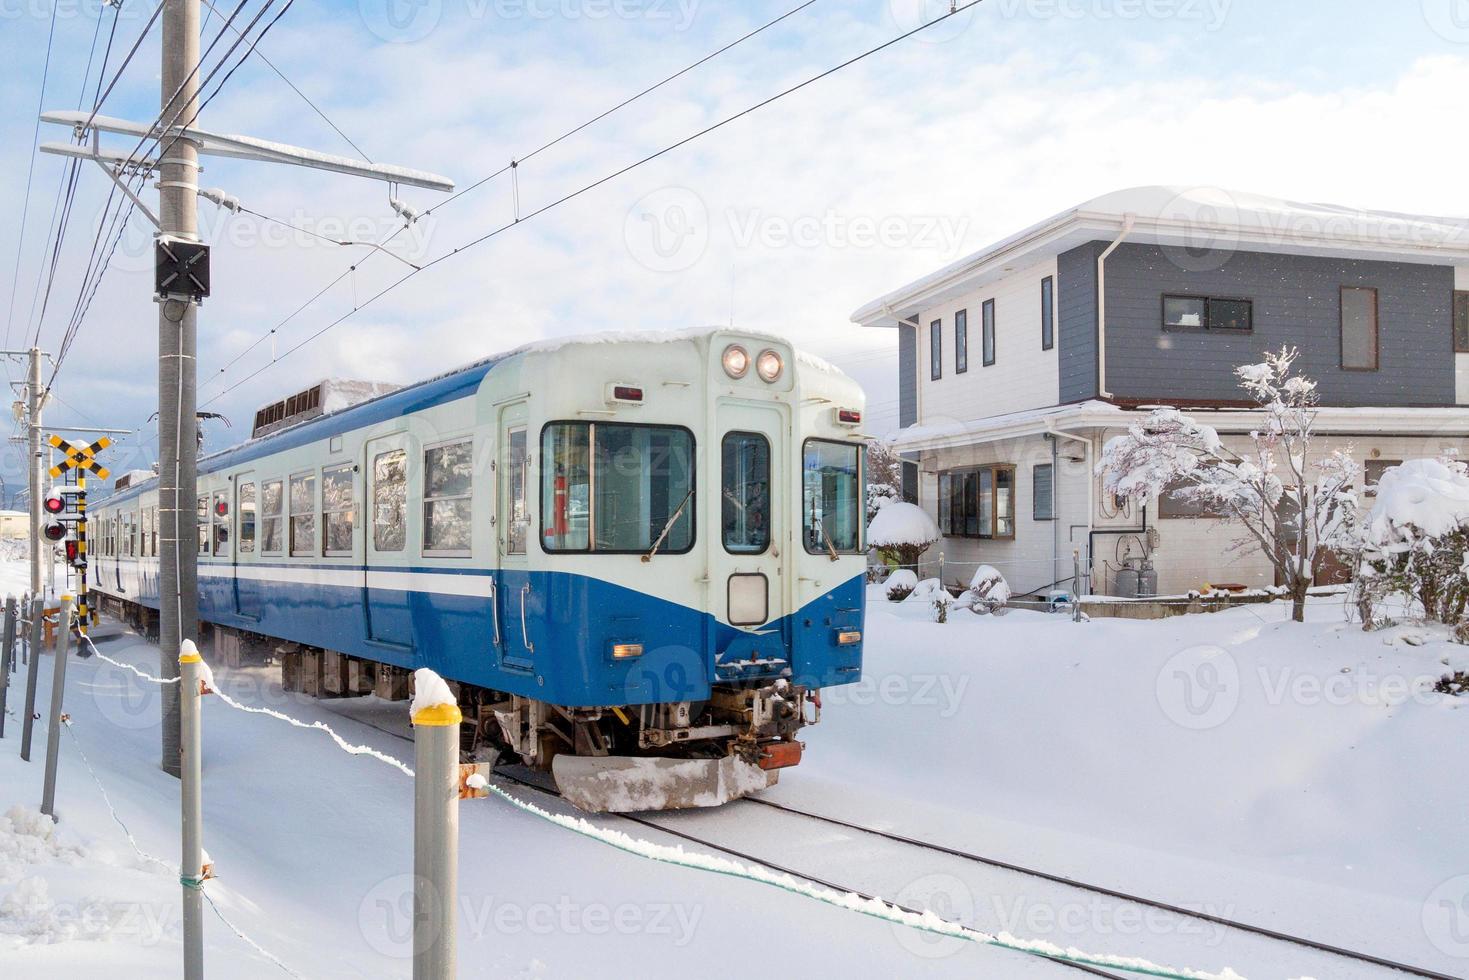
x=271 y=534
x=1172 y=506
x=1043 y=492
x=1461 y=322
x=1358 y=328
x=961 y=341
x=303 y=514
x=448 y=478
x=338 y=510
x=978 y=503
x=1048 y=313
x=989 y=332
x=936 y=349
x=1207 y=313
x=1372 y=472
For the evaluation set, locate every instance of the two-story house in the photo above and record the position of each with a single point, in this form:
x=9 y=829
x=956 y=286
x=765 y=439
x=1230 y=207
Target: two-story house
x=1016 y=365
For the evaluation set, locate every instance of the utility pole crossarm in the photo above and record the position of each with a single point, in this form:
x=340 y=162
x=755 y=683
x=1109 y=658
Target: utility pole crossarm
x=250 y=148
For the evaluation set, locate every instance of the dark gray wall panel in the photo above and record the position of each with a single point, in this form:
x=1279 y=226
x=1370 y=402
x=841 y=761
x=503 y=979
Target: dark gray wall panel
x=1076 y=321
x=1297 y=302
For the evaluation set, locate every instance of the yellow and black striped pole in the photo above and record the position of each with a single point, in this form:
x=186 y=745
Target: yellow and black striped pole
x=82 y=620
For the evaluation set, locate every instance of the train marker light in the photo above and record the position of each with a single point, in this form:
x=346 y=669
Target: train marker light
x=55 y=503
x=53 y=530
x=624 y=394
x=626 y=651
x=848 y=416
x=736 y=361
x=849 y=637
x=769 y=365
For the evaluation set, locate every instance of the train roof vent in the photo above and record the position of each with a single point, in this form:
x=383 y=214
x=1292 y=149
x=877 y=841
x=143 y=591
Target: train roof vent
x=132 y=478
x=331 y=395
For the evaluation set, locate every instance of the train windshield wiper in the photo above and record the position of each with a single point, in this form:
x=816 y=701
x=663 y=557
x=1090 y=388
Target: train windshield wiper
x=830 y=545
x=669 y=526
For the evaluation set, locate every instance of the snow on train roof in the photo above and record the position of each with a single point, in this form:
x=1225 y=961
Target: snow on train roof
x=550 y=345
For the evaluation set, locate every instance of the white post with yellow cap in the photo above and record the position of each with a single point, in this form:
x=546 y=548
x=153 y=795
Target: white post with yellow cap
x=53 y=720
x=191 y=771
x=435 y=829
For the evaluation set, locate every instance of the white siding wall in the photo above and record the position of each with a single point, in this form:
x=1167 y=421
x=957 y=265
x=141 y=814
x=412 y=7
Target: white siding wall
x=1023 y=376
x=1191 y=552
x=1027 y=561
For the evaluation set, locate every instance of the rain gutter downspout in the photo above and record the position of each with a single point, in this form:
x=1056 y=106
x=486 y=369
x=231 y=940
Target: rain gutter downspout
x=1128 y=220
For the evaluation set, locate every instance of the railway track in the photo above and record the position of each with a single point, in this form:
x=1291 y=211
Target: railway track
x=519 y=776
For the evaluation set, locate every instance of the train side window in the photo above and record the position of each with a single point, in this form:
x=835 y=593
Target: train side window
x=519 y=517
x=221 y=523
x=245 y=512
x=338 y=509
x=201 y=528
x=745 y=473
x=155 y=531
x=144 y=546
x=832 y=497
x=271 y=499
x=390 y=500
x=303 y=514
x=448 y=480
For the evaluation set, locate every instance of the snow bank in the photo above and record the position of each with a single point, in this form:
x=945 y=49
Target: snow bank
x=901 y=523
x=429 y=691
x=1428 y=494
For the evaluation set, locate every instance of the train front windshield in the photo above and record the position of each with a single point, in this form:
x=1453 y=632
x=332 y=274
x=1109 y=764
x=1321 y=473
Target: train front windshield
x=832 y=504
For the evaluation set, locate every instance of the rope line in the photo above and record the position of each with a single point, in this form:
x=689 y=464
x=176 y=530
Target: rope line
x=874 y=907
x=196 y=883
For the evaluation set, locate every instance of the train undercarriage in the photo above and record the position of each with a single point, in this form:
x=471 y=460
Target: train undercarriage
x=604 y=759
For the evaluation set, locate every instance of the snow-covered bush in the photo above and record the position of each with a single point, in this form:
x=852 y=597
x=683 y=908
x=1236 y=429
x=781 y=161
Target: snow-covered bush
x=879 y=495
x=901 y=533
x=884 y=477
x=1415 y=541
x=1291 y=508
x=931 y=592
x=900 y=584
x=987 y=592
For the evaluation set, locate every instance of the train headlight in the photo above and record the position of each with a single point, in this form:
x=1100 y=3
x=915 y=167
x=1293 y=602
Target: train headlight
x=626 y=651
x=769 y=365
x=736 y=361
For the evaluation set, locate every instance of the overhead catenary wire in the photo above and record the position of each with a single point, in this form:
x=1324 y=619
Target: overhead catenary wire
x=586 y=188
x=514 y=165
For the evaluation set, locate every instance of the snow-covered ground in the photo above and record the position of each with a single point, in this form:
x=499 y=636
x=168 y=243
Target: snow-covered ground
x=1294 y=776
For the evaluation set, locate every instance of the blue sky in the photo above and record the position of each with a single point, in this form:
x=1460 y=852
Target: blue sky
x=1010 y=113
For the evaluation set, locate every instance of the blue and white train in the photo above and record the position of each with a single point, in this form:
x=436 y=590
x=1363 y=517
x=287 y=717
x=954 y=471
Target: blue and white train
x=640 y=557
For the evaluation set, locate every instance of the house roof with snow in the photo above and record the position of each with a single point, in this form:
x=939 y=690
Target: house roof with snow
x=1190 y=217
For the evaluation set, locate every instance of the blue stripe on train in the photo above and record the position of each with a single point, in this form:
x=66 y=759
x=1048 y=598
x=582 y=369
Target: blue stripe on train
x=571 y=621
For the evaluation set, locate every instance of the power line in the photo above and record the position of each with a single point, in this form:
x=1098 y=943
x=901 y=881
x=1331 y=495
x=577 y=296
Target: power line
x=483 y=180
x=30 y=172
x=304 y=97
x=953 y=11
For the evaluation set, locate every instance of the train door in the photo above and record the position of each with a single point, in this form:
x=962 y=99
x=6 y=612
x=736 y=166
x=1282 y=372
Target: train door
x=386 y=592
x=513 y=590
x=748 y=560
x=247 y=587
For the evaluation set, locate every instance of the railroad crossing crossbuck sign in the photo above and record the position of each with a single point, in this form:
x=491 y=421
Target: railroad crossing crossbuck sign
x=80 y=457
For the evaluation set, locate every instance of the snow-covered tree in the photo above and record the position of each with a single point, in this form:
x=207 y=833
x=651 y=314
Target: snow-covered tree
x=1415 y=541
x=884 y=477
x=1291 y=506
x=901 y=533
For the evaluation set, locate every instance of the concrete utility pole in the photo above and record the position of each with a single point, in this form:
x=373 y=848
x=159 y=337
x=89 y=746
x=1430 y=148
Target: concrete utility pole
x=37 y=460
x=53 y=720
x=436 y=841
x=177 y=331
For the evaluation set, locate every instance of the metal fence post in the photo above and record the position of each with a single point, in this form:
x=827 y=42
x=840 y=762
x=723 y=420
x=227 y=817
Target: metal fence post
x=7 y=657
x=33 y=657
x=435 y=841
x=1076 y=585
x=53 y=720
x=191 y=867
